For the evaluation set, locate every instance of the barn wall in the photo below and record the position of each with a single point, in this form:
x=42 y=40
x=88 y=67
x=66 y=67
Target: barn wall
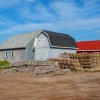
x=42 y=50
x=29 y=50
x=57 y=52
x=18 y=55
x=2 y=55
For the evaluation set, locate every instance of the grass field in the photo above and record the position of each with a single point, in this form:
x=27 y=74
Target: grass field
x=72 y=86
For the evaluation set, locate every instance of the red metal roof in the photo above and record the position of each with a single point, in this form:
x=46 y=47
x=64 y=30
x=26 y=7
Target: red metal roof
x=89 y=45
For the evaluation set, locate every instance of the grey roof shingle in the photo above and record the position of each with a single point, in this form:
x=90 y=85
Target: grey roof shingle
x=61 y=40
x=19 y=41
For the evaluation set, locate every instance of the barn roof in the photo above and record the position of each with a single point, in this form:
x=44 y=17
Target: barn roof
x=61 y=40
x=89 y=45
x=19 y=41
x=56 y=40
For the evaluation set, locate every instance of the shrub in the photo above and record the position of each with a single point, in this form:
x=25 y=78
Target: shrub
x=4 y=64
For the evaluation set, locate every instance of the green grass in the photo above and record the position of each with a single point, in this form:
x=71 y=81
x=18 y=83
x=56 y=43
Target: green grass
x=4 y=64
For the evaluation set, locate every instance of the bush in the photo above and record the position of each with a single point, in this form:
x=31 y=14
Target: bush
x=4 y=64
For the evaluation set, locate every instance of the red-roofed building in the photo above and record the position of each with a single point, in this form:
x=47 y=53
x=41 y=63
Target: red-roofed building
x=88 y=46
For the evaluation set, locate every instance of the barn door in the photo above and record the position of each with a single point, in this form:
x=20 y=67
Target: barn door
x=42 y=55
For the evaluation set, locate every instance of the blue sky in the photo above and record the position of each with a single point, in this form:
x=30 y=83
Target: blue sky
x=78 y=18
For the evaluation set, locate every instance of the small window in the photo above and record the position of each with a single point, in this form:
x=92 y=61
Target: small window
x=12 y=54
x=6 y=54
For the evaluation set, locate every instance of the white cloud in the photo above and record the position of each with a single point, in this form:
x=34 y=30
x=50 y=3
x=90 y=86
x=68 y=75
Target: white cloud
x=22 y=28
x=58 y=26
x=37 y=12
x=65 y=10
x=5 y=21
x=62 y=16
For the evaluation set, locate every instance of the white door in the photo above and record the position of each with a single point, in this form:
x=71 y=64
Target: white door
x=42 y=55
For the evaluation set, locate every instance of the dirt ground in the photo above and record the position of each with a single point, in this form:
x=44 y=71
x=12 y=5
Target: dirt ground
x=72 y=86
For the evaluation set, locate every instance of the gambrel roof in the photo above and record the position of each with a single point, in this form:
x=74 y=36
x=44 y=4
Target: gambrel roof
x=58 y=40
x=61 y=40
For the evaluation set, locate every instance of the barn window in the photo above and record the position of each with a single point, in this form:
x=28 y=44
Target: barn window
x=12 y=54
x=6 y=54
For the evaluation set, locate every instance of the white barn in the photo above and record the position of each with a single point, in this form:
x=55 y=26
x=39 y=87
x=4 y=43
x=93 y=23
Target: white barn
x=38 y=45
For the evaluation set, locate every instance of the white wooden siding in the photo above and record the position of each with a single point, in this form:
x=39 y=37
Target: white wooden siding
x=18 y=55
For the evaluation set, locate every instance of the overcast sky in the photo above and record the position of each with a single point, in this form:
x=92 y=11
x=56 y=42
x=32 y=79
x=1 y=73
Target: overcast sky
x=78 y=18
